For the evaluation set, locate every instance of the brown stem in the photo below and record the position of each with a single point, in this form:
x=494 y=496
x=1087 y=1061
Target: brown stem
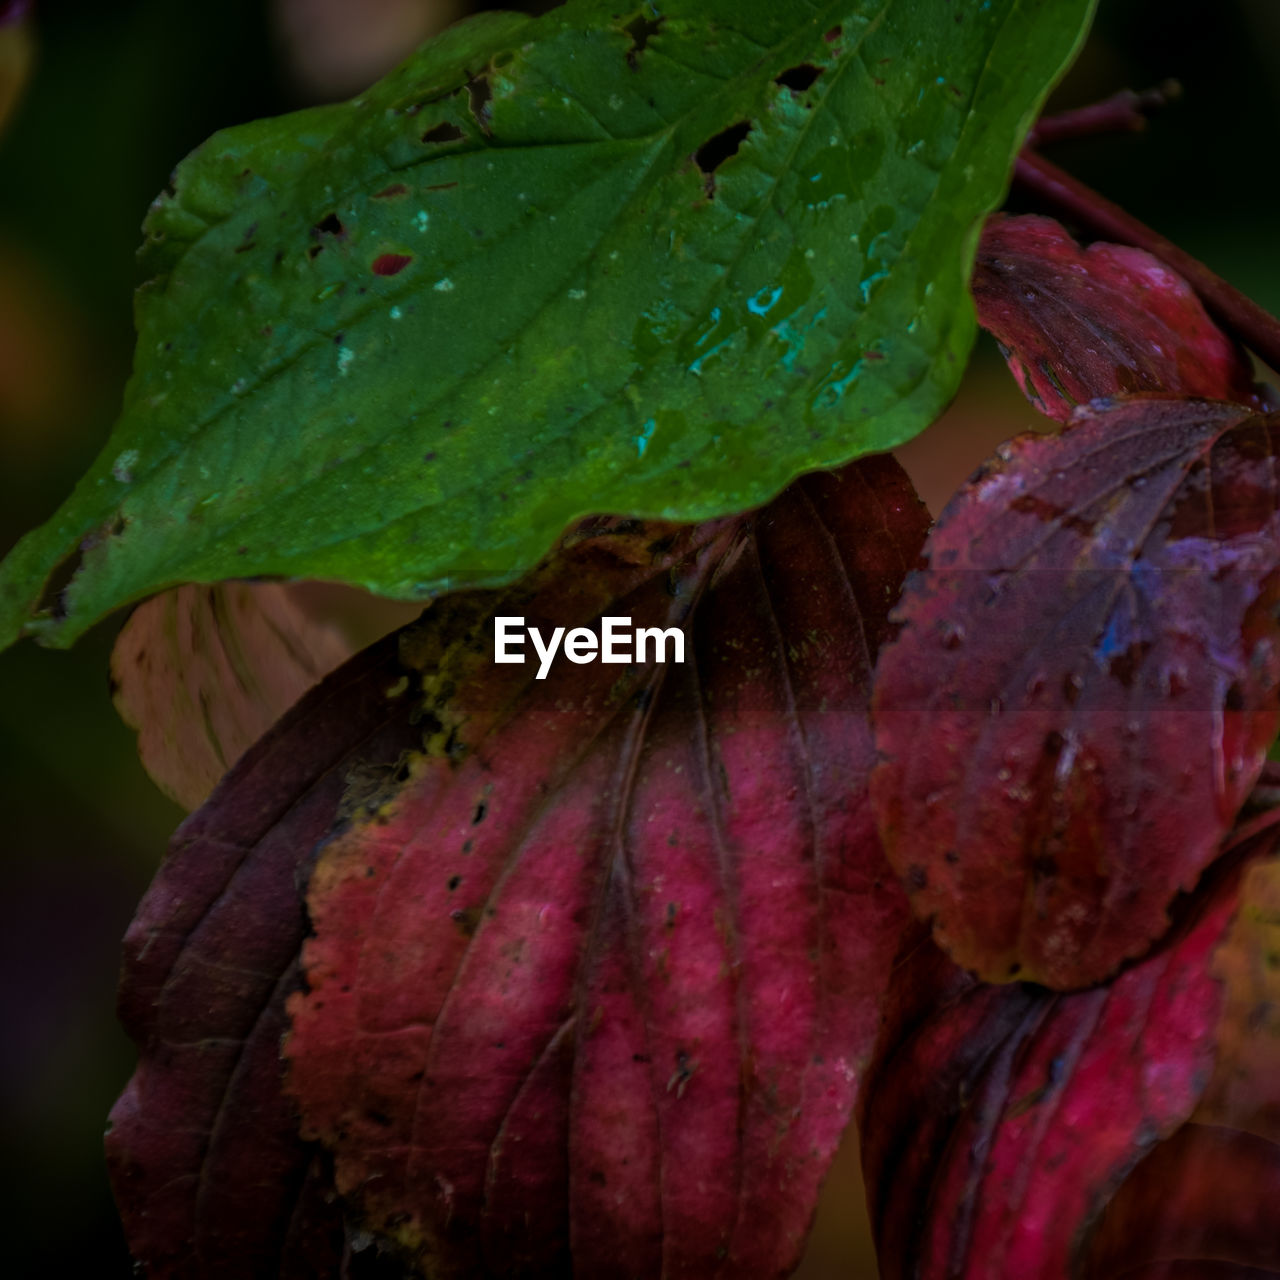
x=1067 y=196
x=1123 y=112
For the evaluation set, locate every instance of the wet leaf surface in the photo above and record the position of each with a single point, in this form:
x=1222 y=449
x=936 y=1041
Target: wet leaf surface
x=998 y=1120
x=203 y=672
x=621 y=961
x=1078 y=324
x=596 y=980
x=596 y=261
x=1085 y=686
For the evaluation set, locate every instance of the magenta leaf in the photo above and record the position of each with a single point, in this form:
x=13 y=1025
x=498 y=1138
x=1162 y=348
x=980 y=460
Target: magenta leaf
x=594 y=990
x=1085 y=686
x=631 y=963
x=997 y=1121
x=1078 y=324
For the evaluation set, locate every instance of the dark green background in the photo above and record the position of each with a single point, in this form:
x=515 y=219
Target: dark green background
x=122 y=90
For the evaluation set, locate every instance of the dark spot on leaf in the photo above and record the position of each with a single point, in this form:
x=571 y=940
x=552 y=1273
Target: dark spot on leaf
x=389 y=193
x=641 y=29
x=314 y=251
x=597 y=1178
x=834 y=34
x=445 y=132
x=917 y=877
x=454 y=882
x=467 y=920
x=330 y=225
x=1124 y=666
x=481 y=810
x=798 y=78
x=391 y=264
x=379 y=1118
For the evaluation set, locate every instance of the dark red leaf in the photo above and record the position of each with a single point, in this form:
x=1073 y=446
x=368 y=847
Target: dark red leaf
x=782 y=909
x=1201 y=1206
x=998 y=1120
x=1203 y=1203
x=1085 y=686
x=1078 y=324
x=596 y=984
x=208 y=1171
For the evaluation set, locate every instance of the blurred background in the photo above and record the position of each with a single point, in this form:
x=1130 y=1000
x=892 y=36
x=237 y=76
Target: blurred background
x=98 y=101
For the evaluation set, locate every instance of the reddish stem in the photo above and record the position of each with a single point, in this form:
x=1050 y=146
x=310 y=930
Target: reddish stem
x=1065 y=195
x=1123 y=112
x=1250 y=830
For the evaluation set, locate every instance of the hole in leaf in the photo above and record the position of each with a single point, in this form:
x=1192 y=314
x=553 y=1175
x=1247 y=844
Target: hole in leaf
x=480 y=97
x=798 y=78
x=53 y=597
x=329 y=226
x=715 y=151
x=445 y=132
x=641 y=30
x=391 y=264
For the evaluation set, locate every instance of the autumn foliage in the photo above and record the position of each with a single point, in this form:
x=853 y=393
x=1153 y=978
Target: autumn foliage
x=964 y=835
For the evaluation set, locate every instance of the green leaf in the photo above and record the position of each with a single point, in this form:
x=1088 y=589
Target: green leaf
x=402 y=342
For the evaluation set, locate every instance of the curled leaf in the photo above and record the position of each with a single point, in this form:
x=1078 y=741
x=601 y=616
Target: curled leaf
x=997 y=1121
x=203 y=672
x=1078 y=324
x=593 y=985
x=1085 y=686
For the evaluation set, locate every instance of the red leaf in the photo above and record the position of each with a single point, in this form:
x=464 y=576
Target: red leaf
x=1078 y=324
x=1201 y=1206
x=208 y=1171
x=1203 y=1202
x=1085 y=686
x=597 y=983
x=998 y=1120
